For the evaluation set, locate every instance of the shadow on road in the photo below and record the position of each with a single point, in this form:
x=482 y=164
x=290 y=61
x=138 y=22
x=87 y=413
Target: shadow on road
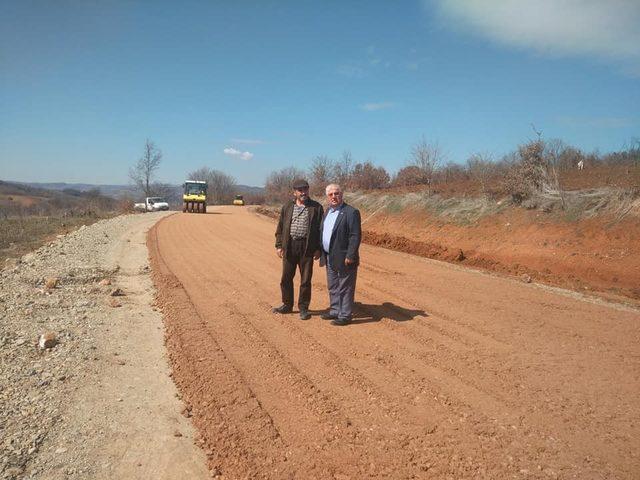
x=368 y=313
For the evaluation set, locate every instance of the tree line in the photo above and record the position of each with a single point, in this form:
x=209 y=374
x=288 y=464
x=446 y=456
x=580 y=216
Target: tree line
x=536 y=166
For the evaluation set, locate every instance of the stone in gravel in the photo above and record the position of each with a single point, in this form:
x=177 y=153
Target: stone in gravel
x=105 y=282
x=525 y=278
x=51 y=283
x=117 y=293
x=12 y=262
x=114 y=303
x=459 y=256
x=47 y=340
x=12 y=472
x=177 y=434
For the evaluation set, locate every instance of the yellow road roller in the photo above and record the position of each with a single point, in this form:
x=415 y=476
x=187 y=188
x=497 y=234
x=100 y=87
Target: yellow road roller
x=194 y=198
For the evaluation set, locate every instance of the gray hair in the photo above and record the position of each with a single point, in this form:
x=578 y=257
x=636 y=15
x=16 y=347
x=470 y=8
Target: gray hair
x=332 y=186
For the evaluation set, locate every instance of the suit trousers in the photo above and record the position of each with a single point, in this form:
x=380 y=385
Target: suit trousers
x=296 y=259
x=342 y=289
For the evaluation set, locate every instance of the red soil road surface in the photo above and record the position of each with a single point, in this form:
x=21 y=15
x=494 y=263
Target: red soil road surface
x=445 y=373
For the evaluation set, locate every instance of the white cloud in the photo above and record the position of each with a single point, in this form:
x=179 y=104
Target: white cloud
x=247 y=141
x=371 y=107
x=605 y=29
x=232 y=152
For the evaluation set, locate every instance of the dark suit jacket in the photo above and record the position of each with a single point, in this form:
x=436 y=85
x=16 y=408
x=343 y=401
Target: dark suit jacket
x=314 y=235
x=345 y=239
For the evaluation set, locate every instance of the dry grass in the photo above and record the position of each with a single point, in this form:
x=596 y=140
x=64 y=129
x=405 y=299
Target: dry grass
x=615 y=203
x=20 y=235
x=461 y=210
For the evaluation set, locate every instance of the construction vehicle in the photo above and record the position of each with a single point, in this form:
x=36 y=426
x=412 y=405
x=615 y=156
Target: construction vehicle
x=239 y=200
x=194 y=198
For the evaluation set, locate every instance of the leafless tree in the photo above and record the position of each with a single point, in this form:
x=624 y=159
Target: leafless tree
x=344 y=169
x=321 y=173
x=408 y=176
x=481 y=167
x=220 y=186
x=279 y=184
x=427 y=157
x=449 y=172
x=144 y=170
x=555 y=152
x=366 y=176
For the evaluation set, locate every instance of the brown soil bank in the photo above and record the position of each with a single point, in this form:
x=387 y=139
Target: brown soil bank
x=597 y=254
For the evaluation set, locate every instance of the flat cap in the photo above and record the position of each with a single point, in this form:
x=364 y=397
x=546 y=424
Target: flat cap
x=300 y=183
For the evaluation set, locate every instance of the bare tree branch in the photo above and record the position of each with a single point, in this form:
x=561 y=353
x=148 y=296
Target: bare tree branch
x=481 y=168
x=427 y=157
x=143 y=171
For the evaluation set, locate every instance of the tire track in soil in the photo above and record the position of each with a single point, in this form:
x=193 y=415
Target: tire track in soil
x=248 y=331
x=573 y=439
x=479 y=403
x=214 y=391
x=442 y=391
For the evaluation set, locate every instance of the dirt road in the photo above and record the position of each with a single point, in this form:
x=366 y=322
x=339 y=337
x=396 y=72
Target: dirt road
x=445 y=373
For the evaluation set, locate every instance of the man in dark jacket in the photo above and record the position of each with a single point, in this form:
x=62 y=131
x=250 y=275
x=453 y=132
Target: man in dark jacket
x=341 y=235
x=298 y=244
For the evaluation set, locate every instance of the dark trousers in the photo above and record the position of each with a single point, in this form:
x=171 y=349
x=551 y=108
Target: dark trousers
x=296 y=259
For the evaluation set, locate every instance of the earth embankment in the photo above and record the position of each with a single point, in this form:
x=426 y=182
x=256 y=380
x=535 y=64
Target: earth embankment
x=598 y=255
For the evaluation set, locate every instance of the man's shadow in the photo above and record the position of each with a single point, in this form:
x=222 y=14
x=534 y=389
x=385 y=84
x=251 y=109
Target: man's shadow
x=369 y=313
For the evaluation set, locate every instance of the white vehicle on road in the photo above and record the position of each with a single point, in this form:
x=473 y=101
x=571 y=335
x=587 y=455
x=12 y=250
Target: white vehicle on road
x=151 y=204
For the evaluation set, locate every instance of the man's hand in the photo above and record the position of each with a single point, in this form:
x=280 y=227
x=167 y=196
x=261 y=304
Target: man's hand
x=316 y=255
x=280 y=252
x=348 y=261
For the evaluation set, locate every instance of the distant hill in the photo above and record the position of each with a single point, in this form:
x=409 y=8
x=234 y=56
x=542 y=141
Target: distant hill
x=118 y=191
x=24 y=198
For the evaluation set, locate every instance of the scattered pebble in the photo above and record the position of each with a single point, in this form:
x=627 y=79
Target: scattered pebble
x=47 y=340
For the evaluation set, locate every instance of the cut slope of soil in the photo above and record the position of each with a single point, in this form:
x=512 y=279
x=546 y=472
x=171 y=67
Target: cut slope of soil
x=589 y=255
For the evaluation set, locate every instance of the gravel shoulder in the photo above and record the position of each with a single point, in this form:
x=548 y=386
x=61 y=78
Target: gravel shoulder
x=100 y=403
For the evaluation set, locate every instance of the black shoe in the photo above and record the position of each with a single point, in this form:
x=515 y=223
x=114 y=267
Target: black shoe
x=282 y=309
x=340 y=322
x=304 y=314
x=328 y=316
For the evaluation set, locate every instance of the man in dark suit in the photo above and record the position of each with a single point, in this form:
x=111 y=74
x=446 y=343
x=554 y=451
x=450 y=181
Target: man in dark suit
x=341 y=235
x=298 y=244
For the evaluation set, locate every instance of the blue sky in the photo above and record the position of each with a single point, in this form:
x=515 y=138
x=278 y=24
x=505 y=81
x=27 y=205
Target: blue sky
x=249 y=87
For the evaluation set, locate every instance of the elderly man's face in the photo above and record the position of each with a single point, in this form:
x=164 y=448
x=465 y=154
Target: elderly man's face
x=334 y=197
